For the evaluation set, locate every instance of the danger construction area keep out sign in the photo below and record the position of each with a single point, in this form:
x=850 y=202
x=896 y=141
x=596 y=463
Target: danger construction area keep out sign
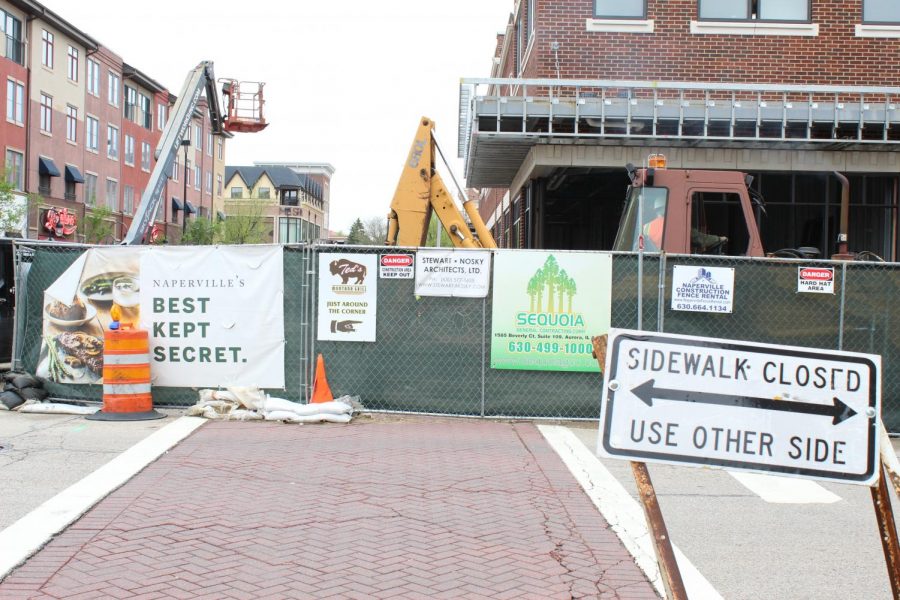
x=741 y=405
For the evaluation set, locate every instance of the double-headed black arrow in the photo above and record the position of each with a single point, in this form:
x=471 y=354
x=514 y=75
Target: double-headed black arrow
x=838 y=411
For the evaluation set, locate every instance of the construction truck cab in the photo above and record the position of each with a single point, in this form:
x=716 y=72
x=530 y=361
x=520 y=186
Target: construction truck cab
x=686 y=211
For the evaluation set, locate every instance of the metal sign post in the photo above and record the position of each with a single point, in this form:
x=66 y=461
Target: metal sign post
x=662 y=544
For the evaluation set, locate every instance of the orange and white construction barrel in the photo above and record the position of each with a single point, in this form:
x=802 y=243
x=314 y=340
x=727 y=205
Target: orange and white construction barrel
x=126 y=377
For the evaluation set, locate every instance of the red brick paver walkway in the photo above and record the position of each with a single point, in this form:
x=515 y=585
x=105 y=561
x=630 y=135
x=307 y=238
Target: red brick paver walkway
x=415 y=508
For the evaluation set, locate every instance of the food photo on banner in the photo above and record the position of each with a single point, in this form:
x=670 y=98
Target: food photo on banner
x=215 y=308
x=77 y=310
x=546 y=308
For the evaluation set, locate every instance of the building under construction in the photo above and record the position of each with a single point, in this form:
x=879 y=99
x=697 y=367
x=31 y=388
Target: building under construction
x=788 y=91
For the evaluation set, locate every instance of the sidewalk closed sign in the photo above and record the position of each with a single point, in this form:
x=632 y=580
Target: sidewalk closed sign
x=756 y=407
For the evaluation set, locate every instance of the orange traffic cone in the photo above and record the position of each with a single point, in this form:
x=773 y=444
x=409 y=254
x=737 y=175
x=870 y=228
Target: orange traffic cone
x=321 y=390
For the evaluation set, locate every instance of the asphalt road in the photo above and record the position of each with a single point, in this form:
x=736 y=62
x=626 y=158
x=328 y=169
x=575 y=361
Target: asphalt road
x=749 y=548
x=41 y=455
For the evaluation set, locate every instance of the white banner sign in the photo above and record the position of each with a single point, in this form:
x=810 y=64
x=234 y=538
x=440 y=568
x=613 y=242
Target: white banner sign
x=459 y=273
x=348 y=297
x=703 y=289
x=815 y=280
x=215 y=315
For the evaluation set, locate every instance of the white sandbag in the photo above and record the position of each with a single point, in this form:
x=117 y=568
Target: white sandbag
x=280 y=404
x=240 y=414
x=58 y=409
x=291 y=417
x=217 y=396
x=250 y=397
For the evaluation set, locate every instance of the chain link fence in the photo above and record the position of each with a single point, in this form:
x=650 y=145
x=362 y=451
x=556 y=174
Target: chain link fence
x=432 y=353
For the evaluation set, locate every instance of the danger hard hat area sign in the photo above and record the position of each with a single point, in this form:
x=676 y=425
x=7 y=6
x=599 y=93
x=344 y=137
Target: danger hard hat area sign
x=738 y=405
x=815 y=280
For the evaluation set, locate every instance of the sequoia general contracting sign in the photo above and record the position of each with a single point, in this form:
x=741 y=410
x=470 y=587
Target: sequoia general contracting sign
x=739 y=405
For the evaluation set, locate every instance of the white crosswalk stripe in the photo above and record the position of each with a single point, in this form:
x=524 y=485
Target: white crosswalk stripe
x=785 y=490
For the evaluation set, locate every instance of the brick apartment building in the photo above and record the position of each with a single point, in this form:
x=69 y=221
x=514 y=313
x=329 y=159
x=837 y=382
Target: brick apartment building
x=82 y=125
x=786 y=90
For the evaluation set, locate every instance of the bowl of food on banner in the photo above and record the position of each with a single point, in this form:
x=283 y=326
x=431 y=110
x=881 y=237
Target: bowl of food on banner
x=71 y=315
x=99 y=288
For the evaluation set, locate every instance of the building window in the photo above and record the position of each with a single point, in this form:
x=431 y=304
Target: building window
x=130 y=103
x=46 y=48
x=209 y=143
x=209 y=182
x=175 y=168
x=289 y=230
x=264 y=193
x=763 y=10
x=72 y=63
x=146 y=114
x=187 y=172
x=129 y=150
x=112 y=194
x=196 y=177
x=237 y=192
x=15 y=102
x=90 y=189
x=93 y=77
x=15 y=47
x=619 y=9
x=70 y=190
x=161 y=116
x=128 y=200
x=881 y=11
x=113 y=92
x=198 y=137
x=174 y=214
x=145 y=156
x=15 y=174
x=218 y=185
x=92 y=133
x=112 y=142
x=220 y=148
x=71 y=123
x=46 y=113
x=290 y=197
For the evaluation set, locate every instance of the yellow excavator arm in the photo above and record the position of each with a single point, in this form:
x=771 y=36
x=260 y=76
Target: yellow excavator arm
x=420 y=192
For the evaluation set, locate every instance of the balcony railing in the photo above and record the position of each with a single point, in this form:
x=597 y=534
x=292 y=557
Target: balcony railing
x=15 y=50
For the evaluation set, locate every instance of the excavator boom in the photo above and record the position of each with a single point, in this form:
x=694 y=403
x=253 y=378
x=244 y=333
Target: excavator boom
x=421 y=191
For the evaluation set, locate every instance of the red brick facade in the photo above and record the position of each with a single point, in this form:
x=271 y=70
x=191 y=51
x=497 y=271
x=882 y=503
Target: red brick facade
x=672 y=53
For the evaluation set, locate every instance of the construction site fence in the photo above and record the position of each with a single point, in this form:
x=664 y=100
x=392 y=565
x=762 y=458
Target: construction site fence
x=431 y=354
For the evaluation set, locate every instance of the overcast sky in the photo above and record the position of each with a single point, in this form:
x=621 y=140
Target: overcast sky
x=346 y=80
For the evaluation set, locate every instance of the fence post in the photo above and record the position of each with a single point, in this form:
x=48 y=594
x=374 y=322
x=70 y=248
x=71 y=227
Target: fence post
x=841 y=314
x=661 y=302
x=484 y=333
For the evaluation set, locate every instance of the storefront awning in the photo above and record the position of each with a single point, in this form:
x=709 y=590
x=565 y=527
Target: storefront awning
x=73 y=174
x=46 y=166
x=176 y=204
x=189 y=207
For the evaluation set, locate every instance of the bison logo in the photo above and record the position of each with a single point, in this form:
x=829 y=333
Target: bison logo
x=348 y=270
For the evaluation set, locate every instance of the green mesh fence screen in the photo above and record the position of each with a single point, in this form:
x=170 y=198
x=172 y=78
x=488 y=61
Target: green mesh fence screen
x=432 y=354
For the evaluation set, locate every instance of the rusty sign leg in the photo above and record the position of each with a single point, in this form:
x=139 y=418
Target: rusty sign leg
x=887 y=530
x=665 y=556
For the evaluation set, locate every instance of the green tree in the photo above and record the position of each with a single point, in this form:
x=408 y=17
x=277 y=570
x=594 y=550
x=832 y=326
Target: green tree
x=562 y=280
x=539 y=289
x=98 y=228
x=357 y=235
x=201 y=232
x=245 y=223
x=376 y=230
x=12 y=207
x=534 y=290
